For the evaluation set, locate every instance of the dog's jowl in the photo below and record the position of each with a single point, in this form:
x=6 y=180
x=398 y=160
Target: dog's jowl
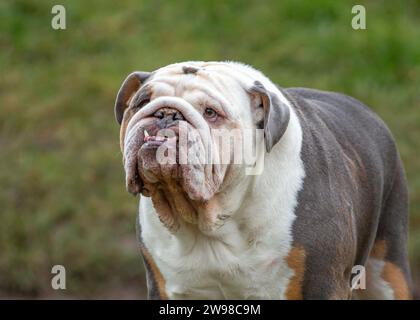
x=331 y=194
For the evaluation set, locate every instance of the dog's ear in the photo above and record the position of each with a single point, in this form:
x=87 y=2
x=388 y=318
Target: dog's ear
x=130 y=86
x=276 y=114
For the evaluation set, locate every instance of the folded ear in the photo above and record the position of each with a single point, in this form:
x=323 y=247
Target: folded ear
x=130 y=86
x=276 y=114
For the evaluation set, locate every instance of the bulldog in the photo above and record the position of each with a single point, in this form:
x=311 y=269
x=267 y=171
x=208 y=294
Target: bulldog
x=331 y=194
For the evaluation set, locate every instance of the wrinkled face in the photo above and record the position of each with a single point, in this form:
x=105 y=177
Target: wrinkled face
x=173 y=136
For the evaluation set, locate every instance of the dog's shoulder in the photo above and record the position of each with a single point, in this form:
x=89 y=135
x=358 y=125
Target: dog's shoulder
x=329 y=102
x=348 y=119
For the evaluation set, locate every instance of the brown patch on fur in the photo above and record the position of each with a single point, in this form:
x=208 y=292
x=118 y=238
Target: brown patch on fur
x=394 y=276
x=156 y=274
x=379 y=250
x=391 y=273
x=296 y=261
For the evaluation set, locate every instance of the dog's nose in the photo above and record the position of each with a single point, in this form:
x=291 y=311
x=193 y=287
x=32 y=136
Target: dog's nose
x=167 y=116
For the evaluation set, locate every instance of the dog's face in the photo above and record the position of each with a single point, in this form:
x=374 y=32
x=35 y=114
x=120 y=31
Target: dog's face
x=173 y=122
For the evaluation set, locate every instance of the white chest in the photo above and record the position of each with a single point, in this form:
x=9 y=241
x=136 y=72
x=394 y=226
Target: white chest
x=235 y=263
x=221 y=273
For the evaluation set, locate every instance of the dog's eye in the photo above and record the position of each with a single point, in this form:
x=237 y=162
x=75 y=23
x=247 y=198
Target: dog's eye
x=142 y=103
x=210 y=114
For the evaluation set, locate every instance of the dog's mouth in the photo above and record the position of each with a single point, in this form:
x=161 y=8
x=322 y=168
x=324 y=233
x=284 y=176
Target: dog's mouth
x=168 y=165
x=154 y=141
x=158 y=157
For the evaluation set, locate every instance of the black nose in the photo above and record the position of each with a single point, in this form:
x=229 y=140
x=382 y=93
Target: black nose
x=167 y=116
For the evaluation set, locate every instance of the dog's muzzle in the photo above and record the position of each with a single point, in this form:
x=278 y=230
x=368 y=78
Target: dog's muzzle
x=151 y=149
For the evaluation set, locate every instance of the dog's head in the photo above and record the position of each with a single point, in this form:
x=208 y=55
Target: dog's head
x=175 y=123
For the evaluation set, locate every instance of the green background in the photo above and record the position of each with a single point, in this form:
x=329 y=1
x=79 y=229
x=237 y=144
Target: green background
x=62 y=193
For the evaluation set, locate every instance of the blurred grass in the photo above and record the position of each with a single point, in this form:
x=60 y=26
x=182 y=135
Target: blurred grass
x=62 y=195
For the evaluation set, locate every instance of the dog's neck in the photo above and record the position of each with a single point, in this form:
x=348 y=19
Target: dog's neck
x=244 y=203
